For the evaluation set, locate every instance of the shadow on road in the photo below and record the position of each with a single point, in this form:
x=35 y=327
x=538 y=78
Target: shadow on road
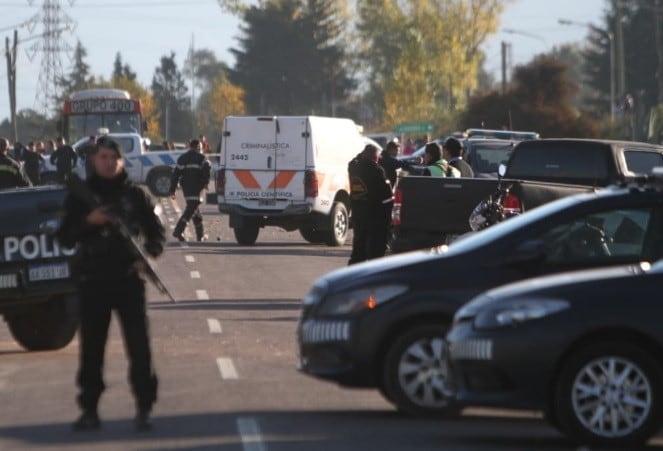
x=229 y=304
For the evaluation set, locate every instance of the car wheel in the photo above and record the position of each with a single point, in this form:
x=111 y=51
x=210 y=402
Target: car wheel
x=609 y=394
x=311 y=235
x=247 y=234
x=46 y=326
x=340 y=224
x=159 y=182
x=417 y=378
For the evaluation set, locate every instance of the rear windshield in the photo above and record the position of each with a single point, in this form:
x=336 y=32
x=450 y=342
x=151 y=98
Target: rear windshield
x=486 y=158
x=642 y=162
x=580 y=163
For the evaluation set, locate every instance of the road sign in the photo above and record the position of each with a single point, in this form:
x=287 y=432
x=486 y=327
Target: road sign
x=415 y=127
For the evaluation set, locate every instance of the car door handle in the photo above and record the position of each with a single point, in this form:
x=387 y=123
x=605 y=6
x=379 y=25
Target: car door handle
x=269 y=162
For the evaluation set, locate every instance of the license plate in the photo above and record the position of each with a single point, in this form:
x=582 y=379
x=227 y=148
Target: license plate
x=48 y=272
x=267 y=202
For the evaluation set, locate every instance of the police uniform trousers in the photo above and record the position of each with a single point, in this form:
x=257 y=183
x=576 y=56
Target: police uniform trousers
x=369 y=239
x=191 y=212
x=98 y=298
x=63 y=176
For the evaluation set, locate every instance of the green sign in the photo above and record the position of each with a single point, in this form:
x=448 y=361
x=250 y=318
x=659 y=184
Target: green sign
x=415 y=127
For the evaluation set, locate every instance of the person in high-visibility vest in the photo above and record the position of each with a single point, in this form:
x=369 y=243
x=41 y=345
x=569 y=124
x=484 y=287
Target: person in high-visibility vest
x=437 y=166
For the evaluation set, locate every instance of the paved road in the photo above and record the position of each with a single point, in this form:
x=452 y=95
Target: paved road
x=226 y=356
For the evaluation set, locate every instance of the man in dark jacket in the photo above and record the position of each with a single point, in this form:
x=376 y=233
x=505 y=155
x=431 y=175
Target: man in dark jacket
x=451 y=151
x=192 y=173
x=371 y=201
x=109 y=280
x=11 y=173
x=32 y=162
x=391 y=164
x=64 y=159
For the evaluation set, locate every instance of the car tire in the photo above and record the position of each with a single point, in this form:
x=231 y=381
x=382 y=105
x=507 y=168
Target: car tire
x=46 y=326
x=247 y=234
x=599 y=384
x=312 y=235
x=159 y=182
x=339 y=223
x=416 y=374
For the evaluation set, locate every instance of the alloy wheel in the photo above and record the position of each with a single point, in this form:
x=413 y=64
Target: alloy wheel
x=423 y=373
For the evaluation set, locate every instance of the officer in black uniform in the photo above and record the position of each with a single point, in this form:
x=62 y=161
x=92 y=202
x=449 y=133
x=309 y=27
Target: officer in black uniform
x=11 y=173
x=192 y=173
x=64 y=159
x=110 y=280
x=371 y=202
x=32 y=161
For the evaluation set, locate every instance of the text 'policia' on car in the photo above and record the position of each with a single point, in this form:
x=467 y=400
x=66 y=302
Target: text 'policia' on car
x=381 y=324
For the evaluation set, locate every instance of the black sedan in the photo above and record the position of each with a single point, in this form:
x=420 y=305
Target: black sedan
x=381 y=324
x=584 y=347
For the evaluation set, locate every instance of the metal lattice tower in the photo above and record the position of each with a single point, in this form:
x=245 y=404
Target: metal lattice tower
x=54 y=22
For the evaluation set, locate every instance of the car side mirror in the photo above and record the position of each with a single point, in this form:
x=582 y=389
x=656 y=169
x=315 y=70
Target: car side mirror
x=527 y=252
x=501 y=170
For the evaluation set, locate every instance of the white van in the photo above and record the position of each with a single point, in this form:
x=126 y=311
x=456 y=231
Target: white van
x=289 y=172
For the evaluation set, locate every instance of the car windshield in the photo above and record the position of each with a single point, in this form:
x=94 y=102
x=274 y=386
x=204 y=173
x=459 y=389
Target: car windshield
x=502 y=229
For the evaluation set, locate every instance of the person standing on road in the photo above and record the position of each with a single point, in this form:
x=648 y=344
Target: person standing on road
x=11 y=173
x=371 y=202
x=436 y=166
x=64 y=159
x=109 y=280
x=391 y=164
x=451 y=151
x=192 y=173
x=32 y=163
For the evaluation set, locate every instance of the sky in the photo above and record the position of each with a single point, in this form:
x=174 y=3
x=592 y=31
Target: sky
x=144 y=30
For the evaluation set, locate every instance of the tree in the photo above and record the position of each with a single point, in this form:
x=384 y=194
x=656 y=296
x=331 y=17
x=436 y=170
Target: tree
x=78 y=77
x=170 y=95
x=540 y=100
x=223 y=99
x=33 y=126
x=204 y=67
x=120 y=70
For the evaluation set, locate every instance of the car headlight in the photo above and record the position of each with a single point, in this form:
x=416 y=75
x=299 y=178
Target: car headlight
x=518 y=312
x=360 y=299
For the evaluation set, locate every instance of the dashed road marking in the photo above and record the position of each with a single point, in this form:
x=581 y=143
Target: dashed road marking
x=183 y=244
x=226 y=368
x=189 y=259
x=214 y=326
x=202 y=295
x=249 y=430
x=195 y=275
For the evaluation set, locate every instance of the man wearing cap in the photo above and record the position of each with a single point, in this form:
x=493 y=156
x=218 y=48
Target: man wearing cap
x=192 y=173
x=64 y=159
x=109 y=279
x=451 y=151
x=11 y=173
x=391 y=164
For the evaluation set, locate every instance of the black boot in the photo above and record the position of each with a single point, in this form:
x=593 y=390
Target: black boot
x=200 y=233
x=142 y=421
x=179 y=229
x=88 y=421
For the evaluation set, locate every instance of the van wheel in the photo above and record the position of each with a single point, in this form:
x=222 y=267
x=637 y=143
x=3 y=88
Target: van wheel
x=610 y=394
x=247 y=234
x=47 y=326
x=311 y=235
x=339 y=222
x=159 y=182
x=416 y=374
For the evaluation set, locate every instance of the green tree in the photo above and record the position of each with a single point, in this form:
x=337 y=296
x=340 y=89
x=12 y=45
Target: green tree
x=78 y=77
x=221 y=100
x=171 y=98
x=204 y=67
x=120 y=70
x=32 y=126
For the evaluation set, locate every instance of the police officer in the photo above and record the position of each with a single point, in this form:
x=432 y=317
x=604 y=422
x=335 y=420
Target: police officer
x=451 y=151
x=32 y=162
x=11 y=173
x=110 y=280
x=64 y=159
x=192 y=173
x=371 y=202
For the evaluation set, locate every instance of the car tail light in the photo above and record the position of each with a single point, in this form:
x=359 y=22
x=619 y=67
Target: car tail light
x=512 y=205
x=396 y=210
x=221 y=182
x=310 y=184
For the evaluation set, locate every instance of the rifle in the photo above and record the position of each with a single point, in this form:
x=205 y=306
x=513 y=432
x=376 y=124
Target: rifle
x=80 y=190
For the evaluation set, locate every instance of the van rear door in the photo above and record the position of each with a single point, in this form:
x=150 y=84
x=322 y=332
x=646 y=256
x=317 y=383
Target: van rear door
x=265 y=161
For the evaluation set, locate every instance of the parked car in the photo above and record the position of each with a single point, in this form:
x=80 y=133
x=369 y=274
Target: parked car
x=381 y=324
x=585 y=347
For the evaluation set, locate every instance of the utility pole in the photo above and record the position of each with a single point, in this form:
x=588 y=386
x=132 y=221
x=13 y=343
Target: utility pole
x=10 y=53
x=504 y=79
x=619 y=36
x=659 y=49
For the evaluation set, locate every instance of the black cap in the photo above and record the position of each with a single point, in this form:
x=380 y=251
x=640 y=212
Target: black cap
x=194 y=144
x=452 y=145
x=108 y=143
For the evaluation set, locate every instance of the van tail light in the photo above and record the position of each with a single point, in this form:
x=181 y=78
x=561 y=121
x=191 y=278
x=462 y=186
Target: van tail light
x=310 y=184
x=512 y=205
x=221 y=182
x=396 y=210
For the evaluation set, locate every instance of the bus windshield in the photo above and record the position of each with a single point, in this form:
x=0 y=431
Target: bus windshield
x=87 y=125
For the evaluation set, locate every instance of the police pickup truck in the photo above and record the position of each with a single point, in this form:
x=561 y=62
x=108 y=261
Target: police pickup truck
x=151 y=168
x=37 y=289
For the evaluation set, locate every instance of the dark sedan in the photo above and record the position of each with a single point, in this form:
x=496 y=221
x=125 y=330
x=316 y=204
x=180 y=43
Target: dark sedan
x=381 y=324
x=584 y=347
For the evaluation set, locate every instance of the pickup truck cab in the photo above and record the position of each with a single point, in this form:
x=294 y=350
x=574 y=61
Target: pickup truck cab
x=151 y=168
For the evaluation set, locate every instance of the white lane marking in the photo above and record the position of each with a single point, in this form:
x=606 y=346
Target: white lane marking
x=249 y=430
x=214 y=326
x=226 y=368
x=183 y=244
x=202 y=295
x=189 y=259
x=195 y=275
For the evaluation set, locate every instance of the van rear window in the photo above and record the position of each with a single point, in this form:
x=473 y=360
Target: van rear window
x=580 y=163
x=642 y=162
